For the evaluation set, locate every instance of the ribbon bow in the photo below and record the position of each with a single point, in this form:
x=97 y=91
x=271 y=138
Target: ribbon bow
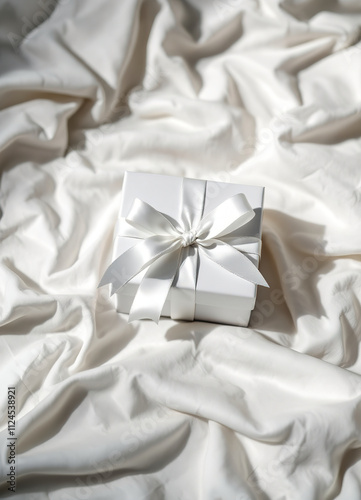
x=168 y=248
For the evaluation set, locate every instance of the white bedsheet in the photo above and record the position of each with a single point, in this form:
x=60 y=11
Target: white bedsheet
x=259 y=92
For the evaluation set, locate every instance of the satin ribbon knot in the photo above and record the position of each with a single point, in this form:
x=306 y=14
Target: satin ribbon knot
x=188 y=238
x=170 y=250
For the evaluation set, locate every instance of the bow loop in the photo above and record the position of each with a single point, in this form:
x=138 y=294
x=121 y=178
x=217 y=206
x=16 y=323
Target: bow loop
x=144 y=216
x=227 y=217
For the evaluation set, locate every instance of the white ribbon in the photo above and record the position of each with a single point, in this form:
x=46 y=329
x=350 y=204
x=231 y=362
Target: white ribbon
x=168 y=247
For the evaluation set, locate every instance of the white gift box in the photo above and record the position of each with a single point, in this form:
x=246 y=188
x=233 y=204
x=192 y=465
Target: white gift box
x=220 y=296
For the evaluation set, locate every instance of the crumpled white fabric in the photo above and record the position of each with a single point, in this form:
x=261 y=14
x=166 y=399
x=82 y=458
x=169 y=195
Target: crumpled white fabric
x=252 y=91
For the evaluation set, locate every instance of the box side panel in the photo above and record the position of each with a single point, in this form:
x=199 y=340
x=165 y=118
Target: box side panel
x=227 y=316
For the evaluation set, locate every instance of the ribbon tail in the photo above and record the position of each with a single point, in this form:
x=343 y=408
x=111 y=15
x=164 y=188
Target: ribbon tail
x=183 y=298
x=137 y=258
x=235 y=262
x=154 y=288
